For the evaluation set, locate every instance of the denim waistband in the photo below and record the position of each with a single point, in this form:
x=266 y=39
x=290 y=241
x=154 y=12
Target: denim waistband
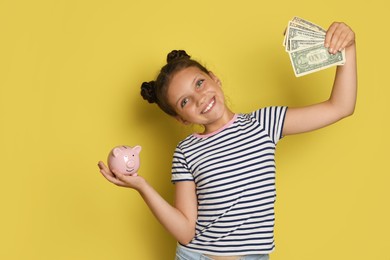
x=183 y=253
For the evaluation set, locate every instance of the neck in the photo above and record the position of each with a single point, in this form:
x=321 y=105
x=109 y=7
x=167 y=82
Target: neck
x=226 y=117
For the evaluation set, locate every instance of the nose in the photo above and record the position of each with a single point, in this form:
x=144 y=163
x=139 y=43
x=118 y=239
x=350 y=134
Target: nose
x=201 y=99
x=130 y=164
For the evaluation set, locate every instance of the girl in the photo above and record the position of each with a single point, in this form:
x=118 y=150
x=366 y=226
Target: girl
x=225 y=176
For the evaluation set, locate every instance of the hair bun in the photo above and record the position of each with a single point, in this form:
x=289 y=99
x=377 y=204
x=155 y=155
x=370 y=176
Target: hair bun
x=177 y=54
x=148 y=91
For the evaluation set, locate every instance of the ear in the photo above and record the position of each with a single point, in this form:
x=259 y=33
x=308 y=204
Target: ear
x=137 y=148
x=215 y=78
x=181 y=120
x=116 y=152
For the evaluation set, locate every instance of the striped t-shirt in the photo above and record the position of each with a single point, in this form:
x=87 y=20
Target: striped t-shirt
x=234 y=173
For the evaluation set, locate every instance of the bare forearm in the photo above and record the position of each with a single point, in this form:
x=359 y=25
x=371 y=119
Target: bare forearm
x=344 y=90
x=180 y=223
x=343 y=95
x=174 y=221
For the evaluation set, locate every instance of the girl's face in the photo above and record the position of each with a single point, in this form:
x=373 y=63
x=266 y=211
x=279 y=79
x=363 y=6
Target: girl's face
x=197 y=98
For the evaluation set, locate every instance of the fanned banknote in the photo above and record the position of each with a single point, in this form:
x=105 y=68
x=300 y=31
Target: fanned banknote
x=304 y=42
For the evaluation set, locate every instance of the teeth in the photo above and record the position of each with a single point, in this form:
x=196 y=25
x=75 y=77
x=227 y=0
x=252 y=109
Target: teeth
x=209 y=106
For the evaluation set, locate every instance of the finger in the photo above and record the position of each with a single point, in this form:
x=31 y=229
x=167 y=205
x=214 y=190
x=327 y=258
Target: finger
x=131 y=181
x=105 y=171
x=349 y=39
x=342 y=34
x=124 y=178
x=113 y=180
x=333 y=37
x=329 y=34
x=339 y=36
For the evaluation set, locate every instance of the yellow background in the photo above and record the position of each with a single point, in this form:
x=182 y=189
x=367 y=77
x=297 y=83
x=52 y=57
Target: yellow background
x=70 y=73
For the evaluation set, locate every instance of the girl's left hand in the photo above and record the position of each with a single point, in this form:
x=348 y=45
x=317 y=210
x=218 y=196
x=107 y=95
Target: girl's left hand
x=338 y=37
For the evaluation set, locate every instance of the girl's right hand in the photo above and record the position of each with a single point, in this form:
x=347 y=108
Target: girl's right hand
x=134 y=182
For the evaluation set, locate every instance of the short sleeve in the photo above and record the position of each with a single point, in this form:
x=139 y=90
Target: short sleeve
x=180 y=169
x=272 y=120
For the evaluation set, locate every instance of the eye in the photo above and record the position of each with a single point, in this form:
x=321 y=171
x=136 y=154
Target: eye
x=184 y=102
x=199 y=83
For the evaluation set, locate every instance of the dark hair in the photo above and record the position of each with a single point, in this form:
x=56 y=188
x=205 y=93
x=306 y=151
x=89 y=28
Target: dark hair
x=156 y=91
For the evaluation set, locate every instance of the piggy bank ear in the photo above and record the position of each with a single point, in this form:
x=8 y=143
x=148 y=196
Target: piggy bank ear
x=137 y=148
x=116 y=152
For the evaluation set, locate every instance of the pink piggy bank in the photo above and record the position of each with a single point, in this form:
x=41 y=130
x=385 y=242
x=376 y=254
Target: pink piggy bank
x=124 y=159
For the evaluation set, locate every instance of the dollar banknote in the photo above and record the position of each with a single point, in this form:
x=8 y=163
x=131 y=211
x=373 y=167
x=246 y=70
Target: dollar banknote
x=314 y=58
x=304 y=42
x=310 y=25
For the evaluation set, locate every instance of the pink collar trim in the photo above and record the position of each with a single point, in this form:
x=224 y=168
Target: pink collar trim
x=218 y=130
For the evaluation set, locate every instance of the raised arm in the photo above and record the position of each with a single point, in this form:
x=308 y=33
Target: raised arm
x=180 y=219
x=343 y=96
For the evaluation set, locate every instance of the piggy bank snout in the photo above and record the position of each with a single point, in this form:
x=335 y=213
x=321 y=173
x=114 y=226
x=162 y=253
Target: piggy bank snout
x=130 y=163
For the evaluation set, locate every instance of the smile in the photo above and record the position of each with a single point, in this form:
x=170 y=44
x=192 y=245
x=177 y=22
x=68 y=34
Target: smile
x=209 y=107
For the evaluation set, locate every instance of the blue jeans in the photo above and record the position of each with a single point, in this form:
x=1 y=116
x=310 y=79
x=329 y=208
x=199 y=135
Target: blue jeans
x=183 y=253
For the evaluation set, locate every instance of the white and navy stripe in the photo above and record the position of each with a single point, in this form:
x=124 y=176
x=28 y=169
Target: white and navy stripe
x=234 y=173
